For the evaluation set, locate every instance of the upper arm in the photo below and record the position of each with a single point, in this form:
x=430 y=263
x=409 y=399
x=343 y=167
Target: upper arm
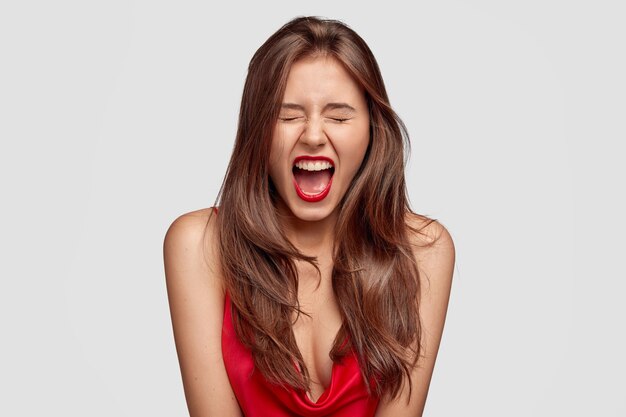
x=196 y=300
x=435 y=263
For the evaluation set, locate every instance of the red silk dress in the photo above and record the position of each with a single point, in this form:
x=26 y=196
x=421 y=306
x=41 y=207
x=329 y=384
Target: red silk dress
x=346 y=396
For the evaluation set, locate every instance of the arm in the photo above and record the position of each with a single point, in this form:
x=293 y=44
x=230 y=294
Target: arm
x=196 y=300
x=436 y=264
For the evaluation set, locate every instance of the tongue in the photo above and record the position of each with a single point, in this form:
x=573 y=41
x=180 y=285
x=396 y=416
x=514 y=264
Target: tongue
x=312 y=182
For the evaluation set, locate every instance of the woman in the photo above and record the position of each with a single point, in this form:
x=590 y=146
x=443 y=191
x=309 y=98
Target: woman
x=314 y=289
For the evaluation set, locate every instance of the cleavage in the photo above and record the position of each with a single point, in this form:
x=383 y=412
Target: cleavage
x=315 y=337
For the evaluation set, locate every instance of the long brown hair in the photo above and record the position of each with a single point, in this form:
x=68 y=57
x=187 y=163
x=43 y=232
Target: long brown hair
x=375 y=276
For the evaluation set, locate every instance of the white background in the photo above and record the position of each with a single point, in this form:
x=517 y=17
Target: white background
x=118 y=116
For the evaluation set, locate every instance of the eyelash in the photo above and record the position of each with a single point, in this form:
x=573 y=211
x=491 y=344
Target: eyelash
x=290 y=119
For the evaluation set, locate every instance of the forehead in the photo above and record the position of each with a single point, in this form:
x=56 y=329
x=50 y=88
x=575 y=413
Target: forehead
x=319 y=79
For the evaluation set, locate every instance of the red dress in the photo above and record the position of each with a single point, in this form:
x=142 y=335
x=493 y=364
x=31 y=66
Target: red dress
x=346 y=396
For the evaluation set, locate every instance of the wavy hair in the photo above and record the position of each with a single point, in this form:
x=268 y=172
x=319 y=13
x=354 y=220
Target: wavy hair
x=375 y=275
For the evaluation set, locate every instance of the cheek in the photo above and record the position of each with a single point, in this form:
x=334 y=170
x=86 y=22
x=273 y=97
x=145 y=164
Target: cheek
x=354 y=148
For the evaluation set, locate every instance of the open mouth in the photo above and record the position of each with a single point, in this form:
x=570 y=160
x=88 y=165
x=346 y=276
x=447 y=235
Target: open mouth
x=313 y=177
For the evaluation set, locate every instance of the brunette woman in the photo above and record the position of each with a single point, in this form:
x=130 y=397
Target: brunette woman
x=314 y=289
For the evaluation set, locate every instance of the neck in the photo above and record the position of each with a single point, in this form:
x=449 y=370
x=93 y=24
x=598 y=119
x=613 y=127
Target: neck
x=312 y=238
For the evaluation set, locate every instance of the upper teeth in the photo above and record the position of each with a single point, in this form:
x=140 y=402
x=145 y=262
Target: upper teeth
x=313 y=165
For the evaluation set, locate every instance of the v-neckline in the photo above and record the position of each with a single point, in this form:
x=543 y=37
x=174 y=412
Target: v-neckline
x=326 y=391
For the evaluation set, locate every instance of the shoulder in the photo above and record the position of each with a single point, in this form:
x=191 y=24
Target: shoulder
x=434 y=253
x=190 y=242
x=425 y=232
x=196 y=299
x=191 y=224
x=432 y=246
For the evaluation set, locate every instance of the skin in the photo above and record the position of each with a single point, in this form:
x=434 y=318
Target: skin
x=306 y=126
x=311 y=123
x=324 y=113
x=435 y=255
x=196 y=298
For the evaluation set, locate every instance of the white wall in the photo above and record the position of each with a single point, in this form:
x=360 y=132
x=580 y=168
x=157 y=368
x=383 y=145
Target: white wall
x=118 y=116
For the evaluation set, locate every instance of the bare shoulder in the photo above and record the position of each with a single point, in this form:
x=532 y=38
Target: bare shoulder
x=432 y=246
x=191 y=241
x=196 y=300
x=434 y=253
x=192 y=224
x=425 y=231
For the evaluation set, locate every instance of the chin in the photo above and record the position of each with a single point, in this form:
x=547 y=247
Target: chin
x=309 y=212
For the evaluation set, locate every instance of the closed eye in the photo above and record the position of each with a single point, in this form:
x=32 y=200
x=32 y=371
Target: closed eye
x=340 y=120
x=288 y=119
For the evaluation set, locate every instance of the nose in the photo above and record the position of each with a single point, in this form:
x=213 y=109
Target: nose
x=313 y=134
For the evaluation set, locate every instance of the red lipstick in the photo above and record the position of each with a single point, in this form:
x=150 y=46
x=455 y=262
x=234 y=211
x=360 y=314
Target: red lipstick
x=313 y=198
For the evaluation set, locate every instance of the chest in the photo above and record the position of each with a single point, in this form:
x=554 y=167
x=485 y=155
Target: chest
x=315 y=332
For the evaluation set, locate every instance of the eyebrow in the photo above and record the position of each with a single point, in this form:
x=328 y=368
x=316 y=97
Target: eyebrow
x=329 y=106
